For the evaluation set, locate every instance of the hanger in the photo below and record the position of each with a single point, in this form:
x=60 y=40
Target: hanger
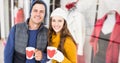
x=111 y=12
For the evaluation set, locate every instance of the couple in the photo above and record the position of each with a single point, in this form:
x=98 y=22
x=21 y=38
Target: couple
x=32 y=33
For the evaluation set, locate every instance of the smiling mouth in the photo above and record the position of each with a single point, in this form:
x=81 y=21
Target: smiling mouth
x=56 y=27
x=38 y=17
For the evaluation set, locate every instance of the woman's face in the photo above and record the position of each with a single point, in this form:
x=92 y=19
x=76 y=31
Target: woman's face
x=57 y=23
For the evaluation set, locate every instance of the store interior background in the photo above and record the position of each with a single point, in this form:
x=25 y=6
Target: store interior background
x=91 y=9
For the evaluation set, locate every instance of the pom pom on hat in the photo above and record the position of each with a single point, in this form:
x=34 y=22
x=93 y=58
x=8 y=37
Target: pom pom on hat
x=59 y=12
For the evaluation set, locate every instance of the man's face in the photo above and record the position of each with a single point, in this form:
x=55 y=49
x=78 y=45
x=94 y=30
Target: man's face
x=37 y=13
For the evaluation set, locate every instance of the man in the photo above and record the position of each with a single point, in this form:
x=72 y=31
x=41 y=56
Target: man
x=30 y=33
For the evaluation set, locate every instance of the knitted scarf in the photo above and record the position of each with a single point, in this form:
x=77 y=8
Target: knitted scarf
x=112 y=52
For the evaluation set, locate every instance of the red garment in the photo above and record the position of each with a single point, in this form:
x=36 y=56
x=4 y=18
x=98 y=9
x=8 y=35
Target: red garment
x=112 y=52
x=80 y=59
x=20 y=16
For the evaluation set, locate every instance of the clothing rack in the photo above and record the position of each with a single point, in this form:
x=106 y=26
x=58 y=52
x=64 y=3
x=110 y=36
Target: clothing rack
x=97 y=7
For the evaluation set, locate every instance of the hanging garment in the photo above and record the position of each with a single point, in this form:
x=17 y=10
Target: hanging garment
x=20 y=16
x=114 y=39
x=103 y=42
x=76 y=26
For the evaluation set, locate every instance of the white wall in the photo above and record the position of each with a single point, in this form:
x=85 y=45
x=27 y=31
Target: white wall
x=106 y=5
x=48 y=10
x=4 y=18
x=26 y=6
x=7 y=21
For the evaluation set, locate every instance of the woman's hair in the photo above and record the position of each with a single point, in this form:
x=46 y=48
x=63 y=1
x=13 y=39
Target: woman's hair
x=63 y=34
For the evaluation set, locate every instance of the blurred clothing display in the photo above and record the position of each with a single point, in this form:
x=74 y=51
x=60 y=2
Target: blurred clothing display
x=106 y=46
x=19 y=17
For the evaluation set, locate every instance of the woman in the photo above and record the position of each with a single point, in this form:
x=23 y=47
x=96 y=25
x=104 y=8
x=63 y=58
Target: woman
x=60 y=38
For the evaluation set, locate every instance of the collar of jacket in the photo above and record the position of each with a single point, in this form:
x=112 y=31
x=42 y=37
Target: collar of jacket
x=27 y=26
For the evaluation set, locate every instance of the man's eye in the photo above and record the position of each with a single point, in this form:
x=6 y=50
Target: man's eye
x=35 y=10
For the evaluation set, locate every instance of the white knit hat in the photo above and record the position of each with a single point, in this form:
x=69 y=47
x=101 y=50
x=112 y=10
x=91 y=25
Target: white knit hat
x=59 y=12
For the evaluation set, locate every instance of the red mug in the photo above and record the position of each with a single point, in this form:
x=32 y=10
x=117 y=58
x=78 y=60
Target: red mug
x=30 y=52
x=51 y=51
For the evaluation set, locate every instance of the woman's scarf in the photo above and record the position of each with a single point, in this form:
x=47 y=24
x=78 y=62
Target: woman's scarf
x=112 y=52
